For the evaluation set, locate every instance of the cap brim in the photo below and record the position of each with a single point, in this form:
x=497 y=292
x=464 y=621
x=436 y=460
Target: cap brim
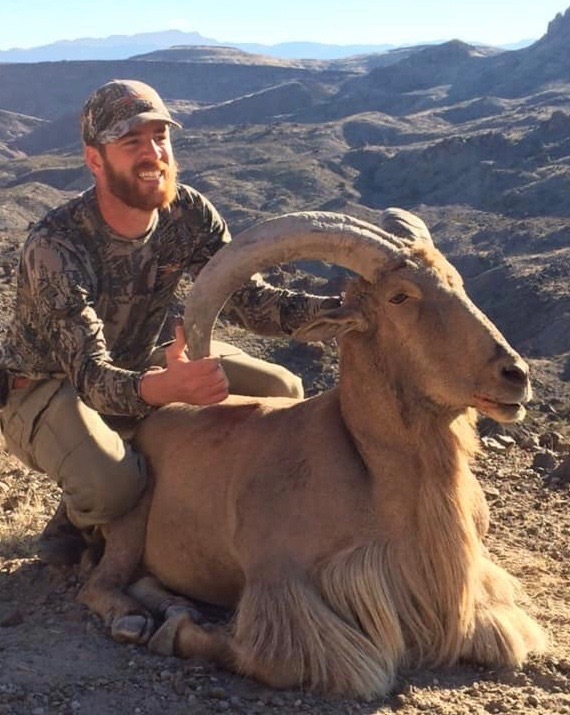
x=121 y=128
x=152 y=117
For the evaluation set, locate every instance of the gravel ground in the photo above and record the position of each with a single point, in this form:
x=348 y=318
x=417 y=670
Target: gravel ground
x=56 y=658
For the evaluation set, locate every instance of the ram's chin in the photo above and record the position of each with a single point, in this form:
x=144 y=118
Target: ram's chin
x=500 y=411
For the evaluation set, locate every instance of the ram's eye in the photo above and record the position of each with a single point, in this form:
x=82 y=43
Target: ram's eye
x=399 y=298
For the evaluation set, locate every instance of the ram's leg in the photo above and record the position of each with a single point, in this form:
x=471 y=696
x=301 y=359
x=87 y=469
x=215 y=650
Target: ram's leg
x=503 y=633
x=286 y=636
x=104 y=592
x=158 y=600
x=181 y=636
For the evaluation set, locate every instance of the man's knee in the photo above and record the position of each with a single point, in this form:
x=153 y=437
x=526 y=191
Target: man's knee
x=271 y=380
x=102 y=477
x=258 y=378
x=104 y=492
x=283 y=383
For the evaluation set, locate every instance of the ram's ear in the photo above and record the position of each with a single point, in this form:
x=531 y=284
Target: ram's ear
x=330 y=324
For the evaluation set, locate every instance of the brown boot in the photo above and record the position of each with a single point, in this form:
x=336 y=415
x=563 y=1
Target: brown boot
x=61 y=543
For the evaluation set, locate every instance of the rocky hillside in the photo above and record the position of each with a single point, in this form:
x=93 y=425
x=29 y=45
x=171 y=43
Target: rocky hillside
x=475 y=140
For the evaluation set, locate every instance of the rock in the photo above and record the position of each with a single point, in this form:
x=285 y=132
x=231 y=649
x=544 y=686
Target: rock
x=216 y=692
x=489 y=428
x=491 y=492
x=561 y=475
x=493 y=445
x=529 y=442
x=551 y=440
x=506 y=440
x=532 y=701
x=544 y=461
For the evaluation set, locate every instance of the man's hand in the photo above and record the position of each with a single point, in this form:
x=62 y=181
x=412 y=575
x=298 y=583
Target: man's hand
x=197 y=382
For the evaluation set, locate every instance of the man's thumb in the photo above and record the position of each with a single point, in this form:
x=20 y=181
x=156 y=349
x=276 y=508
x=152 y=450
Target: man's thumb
x=176 y=349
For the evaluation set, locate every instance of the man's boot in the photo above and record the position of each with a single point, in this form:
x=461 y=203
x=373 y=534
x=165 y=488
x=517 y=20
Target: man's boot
x=61 y=543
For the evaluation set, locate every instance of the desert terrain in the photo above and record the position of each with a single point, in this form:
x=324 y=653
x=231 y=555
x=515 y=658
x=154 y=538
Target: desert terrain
x=476 y=142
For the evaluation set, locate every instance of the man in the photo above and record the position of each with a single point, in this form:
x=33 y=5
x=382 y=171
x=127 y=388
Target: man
x=95 y=281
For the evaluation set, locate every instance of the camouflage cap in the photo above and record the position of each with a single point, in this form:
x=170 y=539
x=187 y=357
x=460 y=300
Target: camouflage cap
x=117 y=107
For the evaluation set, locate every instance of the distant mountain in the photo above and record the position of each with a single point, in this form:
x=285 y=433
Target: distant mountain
x=457 y=72
x=196 y=78
x=124 y=46
x=117 y=47
x=511 y=74
x=314 y=50
x=520 y=44
x=477 y=139
x=220 y=54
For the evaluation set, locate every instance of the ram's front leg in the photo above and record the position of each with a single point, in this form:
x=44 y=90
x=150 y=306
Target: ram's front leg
x=104 y=591
x=503 y=634
x=285 y=635
x=181 y=636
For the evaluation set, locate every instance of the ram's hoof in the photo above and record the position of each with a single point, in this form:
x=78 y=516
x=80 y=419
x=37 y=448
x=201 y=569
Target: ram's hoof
x=134 y=628
x=177 y=609
x=163 y=641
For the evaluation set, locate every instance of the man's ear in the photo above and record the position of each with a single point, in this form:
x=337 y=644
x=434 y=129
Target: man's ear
x=93 y=159
x=330 y=324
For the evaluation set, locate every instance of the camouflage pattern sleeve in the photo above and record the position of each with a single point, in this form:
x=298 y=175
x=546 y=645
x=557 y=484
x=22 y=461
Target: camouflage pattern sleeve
x=61 y=290
x=274 y=312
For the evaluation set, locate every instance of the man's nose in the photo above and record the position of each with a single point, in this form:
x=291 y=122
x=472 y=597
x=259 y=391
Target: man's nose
x=153 y=148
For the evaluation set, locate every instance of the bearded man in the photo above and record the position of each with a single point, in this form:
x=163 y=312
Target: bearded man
x=80 y=361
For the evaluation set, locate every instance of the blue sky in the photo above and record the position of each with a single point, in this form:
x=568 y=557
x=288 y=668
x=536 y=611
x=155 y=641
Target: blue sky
x=29 y=23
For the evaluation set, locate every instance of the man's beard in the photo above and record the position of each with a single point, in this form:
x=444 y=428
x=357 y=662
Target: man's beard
x=129 y=191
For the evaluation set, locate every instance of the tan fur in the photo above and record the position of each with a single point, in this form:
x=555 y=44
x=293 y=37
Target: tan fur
x=346 y=529
x=287 y=626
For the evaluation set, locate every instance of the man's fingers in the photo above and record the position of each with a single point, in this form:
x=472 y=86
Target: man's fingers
x=205 y=367
x=212 y=399
x=215 y=384
x=210 y=395
x=205 y=382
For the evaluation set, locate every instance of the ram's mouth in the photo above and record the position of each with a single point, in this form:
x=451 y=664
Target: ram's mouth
x=499 y=411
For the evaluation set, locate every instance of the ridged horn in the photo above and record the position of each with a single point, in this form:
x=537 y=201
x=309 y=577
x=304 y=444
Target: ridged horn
x=405 y=225
x=332 y=237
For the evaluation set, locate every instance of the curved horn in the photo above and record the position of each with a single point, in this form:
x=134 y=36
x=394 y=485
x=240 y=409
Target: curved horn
x=405 y=225
x=336 y=238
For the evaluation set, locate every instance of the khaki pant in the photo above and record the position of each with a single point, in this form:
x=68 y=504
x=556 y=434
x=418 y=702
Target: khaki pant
x=51 y=430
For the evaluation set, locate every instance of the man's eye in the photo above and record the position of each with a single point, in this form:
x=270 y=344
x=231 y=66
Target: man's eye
x=398 y=298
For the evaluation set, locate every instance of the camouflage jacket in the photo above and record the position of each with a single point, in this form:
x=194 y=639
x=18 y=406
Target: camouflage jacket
x=90 y=305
